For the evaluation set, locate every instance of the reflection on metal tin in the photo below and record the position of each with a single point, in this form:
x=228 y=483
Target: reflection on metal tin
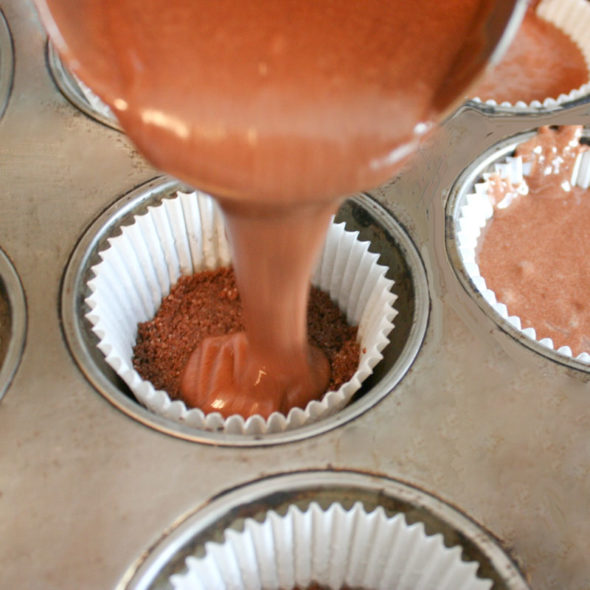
x=77 y=92
x=466 y=215
x=13 y=320
x=6 y=63
x=241 y=509
x=360 y=213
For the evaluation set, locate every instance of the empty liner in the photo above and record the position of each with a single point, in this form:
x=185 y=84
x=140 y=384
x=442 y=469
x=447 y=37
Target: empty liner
x=334 y=548
x=186 y=234
x=573 y=18
x=477 y=212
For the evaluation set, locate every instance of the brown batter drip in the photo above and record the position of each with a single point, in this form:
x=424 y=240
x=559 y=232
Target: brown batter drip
x=534 y=253
x=541 y=62
x=278 y=109
x=274 y=254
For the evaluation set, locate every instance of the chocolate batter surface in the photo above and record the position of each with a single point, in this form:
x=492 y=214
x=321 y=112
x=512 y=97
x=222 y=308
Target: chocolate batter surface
x=542 y=62
x=535 y=253
x=208 y=304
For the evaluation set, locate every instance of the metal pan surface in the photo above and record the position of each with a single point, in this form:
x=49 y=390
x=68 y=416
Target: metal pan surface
x=477 y=419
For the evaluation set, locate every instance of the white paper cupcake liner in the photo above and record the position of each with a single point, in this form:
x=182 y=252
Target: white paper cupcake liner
x=476 y=213
x=333 y=548
x=573 y=18
x=186 y=234
x=95 y=103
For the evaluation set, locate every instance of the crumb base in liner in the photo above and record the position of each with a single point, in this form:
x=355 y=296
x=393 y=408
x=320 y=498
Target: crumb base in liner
x=207 y=304
x=534 y=252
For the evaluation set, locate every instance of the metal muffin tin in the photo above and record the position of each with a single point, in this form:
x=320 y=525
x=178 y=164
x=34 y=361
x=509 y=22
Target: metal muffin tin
x=360 y=213
x=472 y=174
x=6 y=63
x=13 y=322
x=277 y=493
x=86 y=491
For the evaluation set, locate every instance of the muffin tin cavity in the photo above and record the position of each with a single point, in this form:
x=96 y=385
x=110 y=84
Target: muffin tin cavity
x=467 y=211
x=77 y=92
x=6 y=63
x=360 y=213
x=243 y=508
x=12 y=322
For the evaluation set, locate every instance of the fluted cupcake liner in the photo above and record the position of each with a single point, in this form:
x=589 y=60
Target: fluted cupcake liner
x=96 y=103
x=186 y=234
x=573 y=18
x=478 y=211
x=334 y=548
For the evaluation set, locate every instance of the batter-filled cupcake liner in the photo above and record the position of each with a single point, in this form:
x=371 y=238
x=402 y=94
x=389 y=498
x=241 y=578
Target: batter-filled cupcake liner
x=478 y=210
x=186 y=234
x=573 y=18
x=333 y=548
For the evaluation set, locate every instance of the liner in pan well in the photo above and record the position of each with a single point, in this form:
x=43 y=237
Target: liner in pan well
x=477 y=212
x=573 y=18
x=334 y=548
x=186 y=234
x=96 y=104
x=77 y=92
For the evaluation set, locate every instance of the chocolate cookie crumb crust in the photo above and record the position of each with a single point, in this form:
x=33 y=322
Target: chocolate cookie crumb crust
x=208 y=304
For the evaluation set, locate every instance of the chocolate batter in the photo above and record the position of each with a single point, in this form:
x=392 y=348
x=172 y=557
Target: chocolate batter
x=542 y=62
x=534 y=253
x=290 y=100
x=278 y=109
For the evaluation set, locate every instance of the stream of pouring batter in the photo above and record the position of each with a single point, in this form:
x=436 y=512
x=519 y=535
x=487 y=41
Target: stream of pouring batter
x=278 y=109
